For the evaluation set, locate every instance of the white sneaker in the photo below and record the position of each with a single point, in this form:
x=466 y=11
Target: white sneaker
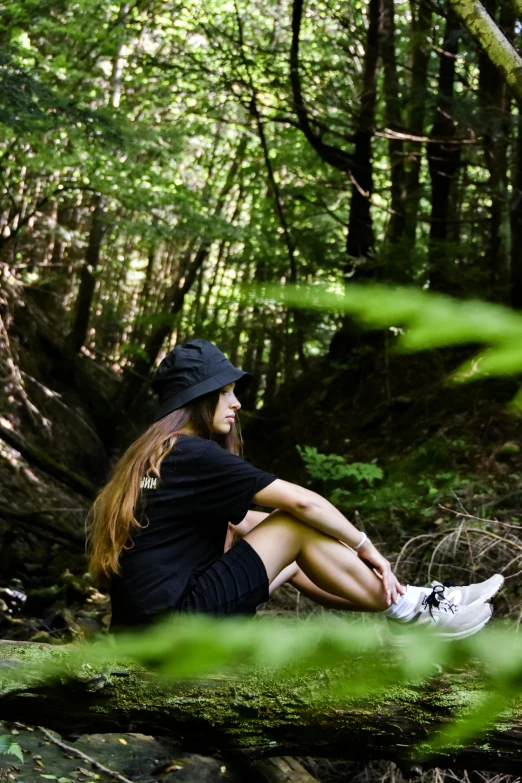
x=465 y=595
x=447 y=620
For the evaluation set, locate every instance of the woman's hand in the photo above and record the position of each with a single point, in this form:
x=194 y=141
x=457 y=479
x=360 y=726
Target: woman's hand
x=370 y=555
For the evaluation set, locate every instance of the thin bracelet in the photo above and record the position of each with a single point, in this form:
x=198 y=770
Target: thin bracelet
x=363 y=540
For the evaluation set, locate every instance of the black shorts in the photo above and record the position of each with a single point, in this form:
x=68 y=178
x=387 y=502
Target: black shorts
x=235 y=584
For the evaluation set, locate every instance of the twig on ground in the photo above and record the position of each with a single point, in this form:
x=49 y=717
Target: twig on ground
x=459 y=501
x=415 y=540
x=496 y=536
x=478 y=543
x=464 y=513
x=84 y=756
x=479 y=519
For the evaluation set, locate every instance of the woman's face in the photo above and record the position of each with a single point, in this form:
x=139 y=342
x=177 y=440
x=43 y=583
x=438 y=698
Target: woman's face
x=226 y=408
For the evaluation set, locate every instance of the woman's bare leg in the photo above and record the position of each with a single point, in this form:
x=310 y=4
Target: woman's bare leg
x=334 y=568
x=309 y=589
x=286 y=575
x=298 y=579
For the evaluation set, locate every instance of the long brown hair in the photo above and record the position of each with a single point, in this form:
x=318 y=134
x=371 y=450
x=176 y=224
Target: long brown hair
x=112 y=518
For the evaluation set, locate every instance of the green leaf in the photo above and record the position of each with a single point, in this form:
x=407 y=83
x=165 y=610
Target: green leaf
x=10 y=748
x=333 y=467
x=425 y=321
x=503 y=360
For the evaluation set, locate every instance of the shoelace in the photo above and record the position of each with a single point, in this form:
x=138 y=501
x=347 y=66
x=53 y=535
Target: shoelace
x=437 y=600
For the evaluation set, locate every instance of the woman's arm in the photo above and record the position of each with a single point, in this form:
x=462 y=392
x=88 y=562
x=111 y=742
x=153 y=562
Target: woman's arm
x=252 y=519
x=320 y=514
x=311 y=508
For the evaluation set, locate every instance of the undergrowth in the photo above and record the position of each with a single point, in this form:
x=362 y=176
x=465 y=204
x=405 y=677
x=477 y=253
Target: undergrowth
x=445 y=509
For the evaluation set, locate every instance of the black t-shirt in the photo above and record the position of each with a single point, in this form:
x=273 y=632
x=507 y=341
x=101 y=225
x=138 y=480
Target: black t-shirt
x=202 y=487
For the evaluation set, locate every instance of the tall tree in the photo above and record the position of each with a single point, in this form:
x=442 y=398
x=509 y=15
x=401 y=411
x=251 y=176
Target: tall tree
x=495 y=97
x=394 y=121
x=78 y=334
x=444 y=155
x=361 y=240
x=421 y=24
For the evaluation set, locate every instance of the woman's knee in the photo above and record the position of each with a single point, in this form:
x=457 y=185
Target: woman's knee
x=288 y=520
x=278 y=540
x=279 y=526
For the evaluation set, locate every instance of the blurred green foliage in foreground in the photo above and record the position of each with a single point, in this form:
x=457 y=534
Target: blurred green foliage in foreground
x=422 y=321
x=359 y=662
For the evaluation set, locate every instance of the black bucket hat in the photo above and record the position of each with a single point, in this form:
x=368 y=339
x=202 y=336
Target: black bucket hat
x=191 y=370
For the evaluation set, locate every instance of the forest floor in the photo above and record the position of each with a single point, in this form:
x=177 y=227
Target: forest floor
x=135 y=757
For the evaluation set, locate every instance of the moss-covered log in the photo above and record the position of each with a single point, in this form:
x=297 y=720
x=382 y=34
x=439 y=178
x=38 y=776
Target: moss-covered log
x=251 y=717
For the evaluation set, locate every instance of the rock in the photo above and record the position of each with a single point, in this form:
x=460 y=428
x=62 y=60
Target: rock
x=192 y=768
x=13 y=599
x=78 y=588
x=508 y=450
x=41 y=636
x=87 y=626
x=40 y=600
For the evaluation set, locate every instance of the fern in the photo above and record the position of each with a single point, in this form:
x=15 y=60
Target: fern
x=10 y=748
x=333 y=467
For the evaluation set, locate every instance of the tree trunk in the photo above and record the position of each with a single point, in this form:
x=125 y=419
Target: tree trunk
x=253 y=355
x=143 y=304
x=213 y=283
x=443 y=156
x=47 y=464
x=498 y=48
x=242 y=310
x=420 y=56
x=246 y=718
x=78 y=335
x=57 y=276
x=272 y=368
x=334 y=156
x=360 y=240
x=516 y=225
x=397 y=222
x=495 y=99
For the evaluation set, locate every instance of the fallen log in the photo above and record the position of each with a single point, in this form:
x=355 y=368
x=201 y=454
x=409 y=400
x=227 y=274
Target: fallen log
x=40 y=525
x=250 y=717
x=47 y=464
x=280 y=769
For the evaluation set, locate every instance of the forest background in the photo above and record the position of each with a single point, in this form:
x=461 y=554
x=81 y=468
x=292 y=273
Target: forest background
x=165 y=167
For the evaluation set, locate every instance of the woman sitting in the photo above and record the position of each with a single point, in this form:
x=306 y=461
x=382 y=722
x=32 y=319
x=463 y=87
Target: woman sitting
x=159 y=527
